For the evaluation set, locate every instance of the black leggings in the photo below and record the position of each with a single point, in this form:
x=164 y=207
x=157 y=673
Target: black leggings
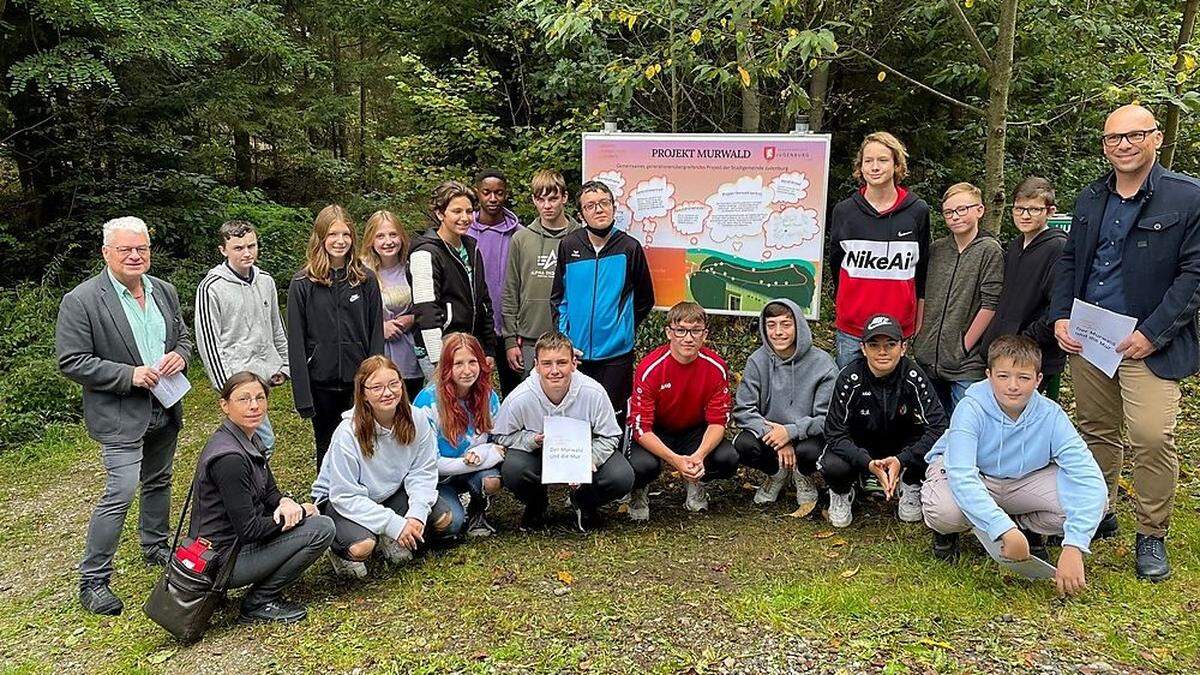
x=347 y=532
x=616 y=376
x=722 y=462
x=328 y=406
x=272 y=564
x=841 y=475
x=758 y=455
x=521 y=473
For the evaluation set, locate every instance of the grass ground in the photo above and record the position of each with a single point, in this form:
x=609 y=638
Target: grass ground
x=741 y=589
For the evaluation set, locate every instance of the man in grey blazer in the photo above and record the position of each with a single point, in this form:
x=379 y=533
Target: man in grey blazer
x=117 y=334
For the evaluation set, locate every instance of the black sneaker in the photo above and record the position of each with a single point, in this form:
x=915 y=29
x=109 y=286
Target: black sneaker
x=945 y=546
x=1152 y=562
x=158 y=556
x=275 y=611
x=1107 y=527
x=98 y=598
x=1037 y=545
x=534 y=517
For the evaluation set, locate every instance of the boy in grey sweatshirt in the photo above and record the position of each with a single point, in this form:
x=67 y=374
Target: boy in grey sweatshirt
x=781 y=403
x=556 y=389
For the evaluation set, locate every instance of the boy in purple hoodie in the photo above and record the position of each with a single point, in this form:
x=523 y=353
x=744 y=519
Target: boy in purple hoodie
x=493 y=228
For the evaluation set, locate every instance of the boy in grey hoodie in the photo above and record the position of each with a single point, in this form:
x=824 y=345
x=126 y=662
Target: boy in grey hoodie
x=238 y=325
x=557 y=389
x=781 y=403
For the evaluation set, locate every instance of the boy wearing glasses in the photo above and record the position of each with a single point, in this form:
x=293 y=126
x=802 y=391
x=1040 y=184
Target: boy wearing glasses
x=678 y=412
x=966 y=274
x=602 y=290
x=883 y=419
x=238 y=325
x=1029 y=261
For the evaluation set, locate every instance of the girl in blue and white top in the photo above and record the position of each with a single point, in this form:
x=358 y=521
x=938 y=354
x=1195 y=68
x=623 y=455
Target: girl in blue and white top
x=461 y=404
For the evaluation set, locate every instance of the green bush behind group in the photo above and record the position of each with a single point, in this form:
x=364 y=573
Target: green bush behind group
x=188 y=115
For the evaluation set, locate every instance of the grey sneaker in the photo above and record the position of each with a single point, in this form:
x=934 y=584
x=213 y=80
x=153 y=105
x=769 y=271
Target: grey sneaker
x=806 y=492
x=98 y=598
x=840 y=513
x=697 y=498
x=349 y=569
x=909 y=508
x=478 y=526
x=639 y=505
x=769 y=491
x=392 y=551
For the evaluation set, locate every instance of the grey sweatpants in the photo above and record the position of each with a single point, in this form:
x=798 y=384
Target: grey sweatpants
x=1031 y=501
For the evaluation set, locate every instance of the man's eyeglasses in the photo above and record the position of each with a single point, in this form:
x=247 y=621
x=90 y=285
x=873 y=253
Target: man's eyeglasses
x=597 y=206
x=395 y=386
x=960 y=211
x=1029 y=210
x=126 y=251
x=679 y=332
x=1134 y=137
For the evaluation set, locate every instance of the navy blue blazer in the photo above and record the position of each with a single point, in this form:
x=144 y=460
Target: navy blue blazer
x=1160 y=266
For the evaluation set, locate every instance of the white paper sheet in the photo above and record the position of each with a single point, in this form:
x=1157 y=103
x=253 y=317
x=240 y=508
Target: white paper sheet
x=170 y=389
x=566 y=451
x=1100 y=330
x=1033 y=568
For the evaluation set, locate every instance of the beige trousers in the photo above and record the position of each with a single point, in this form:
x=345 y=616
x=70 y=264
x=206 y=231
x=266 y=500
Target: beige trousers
x=1145 y=406
x=1031 y=501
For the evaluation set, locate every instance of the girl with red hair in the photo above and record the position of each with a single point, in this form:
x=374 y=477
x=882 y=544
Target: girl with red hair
x=461 y=405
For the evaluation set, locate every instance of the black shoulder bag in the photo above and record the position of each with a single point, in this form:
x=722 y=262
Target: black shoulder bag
x=183 y=601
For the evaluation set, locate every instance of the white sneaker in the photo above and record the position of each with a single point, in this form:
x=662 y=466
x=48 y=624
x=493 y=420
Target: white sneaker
x=350 y=569
x=909 y=508
x=697 y=498
x=840 y=513
x=392 y=551
x=769 y=491
x=806 y=492
x=639 y=505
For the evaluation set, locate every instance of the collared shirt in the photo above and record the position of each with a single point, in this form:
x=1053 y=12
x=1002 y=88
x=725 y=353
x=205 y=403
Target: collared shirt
x=1105 y=286
x=149 y=328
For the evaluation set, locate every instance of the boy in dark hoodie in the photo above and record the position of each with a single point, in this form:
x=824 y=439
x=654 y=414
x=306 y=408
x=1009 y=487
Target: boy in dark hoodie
x=532 y=259
x=781 y=403
x=1029 y=262
x=883 y=419
x=966 y=274
x=493 y=228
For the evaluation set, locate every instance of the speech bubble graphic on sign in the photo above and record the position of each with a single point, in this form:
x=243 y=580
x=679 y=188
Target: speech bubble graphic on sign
x=652 y=198
x=614 y=180
x=791 y=227
x=688 y=217
x=739 y=209
x=790 y=188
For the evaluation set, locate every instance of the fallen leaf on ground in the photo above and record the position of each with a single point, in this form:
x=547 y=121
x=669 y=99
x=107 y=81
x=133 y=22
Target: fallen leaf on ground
x=849 y=573
x=803 y=510
x=566 y=577
x=823 y=534
x=838 y=542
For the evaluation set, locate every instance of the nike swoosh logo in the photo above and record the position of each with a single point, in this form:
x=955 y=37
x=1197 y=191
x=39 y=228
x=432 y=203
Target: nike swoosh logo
x=904 y=234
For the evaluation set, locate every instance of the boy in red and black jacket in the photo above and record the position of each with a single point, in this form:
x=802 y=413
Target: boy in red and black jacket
x=878 y=247
x=678 y=413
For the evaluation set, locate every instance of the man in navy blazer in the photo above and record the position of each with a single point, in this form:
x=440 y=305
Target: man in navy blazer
x=118 y=333
x=1134 y=248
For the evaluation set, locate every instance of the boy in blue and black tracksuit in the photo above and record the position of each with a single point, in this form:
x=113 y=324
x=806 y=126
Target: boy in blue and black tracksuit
x=602 y=291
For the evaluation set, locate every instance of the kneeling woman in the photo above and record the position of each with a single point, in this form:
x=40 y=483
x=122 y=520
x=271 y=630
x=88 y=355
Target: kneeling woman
x=461 y=405
x=379 y=481
x=236 y=499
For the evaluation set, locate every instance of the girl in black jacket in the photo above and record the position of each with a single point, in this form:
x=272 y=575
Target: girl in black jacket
x=235 y=499
x=335 y=320
x=445 y=271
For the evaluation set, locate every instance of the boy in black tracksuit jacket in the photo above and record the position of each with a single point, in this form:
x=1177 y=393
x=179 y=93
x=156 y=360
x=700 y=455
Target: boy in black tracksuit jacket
x=447 y=298
x=876 y=417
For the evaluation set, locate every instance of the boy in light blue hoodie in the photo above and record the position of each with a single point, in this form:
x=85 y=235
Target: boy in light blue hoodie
x=1013 y=466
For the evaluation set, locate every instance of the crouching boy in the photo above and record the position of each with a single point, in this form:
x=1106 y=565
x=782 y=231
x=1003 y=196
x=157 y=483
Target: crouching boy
x=781 y=404
x=1013 y=466
x=883 y=419
x=555 y=388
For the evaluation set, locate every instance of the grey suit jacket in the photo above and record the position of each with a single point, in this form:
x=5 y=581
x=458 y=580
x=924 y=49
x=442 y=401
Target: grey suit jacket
x=95 y=348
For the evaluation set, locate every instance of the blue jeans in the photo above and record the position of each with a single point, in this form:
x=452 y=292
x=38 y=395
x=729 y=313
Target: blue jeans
x=470 y=483
x=266 y=434
x=950 y=392
x=849 y=349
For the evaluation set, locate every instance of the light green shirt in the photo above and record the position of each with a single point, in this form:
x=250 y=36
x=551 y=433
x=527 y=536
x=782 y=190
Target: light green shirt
x=149 y=329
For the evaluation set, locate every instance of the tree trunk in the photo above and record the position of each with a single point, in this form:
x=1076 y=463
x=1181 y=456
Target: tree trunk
x=1171 y=123
x=818 y=92
x=243 y=160
x=999 y=80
